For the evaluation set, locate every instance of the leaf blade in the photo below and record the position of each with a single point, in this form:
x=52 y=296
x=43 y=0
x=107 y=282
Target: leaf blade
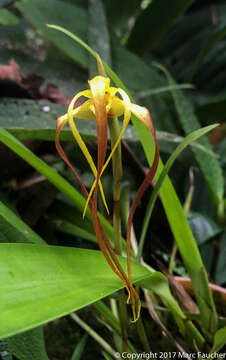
x=209 y=166
x=29 y=345
x=156 y=21
x=65 y=279
x=188 y=249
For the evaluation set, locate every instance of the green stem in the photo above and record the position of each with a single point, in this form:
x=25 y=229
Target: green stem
x=142 y=335
x=117 y=334
x=117 y=176
x=172 y=257
x=94 y=335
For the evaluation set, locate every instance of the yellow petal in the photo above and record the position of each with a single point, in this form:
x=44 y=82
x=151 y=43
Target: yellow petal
x=85 y=111
x=89 y=197
x=76 y=134
x=81 y=143
x=143 y=114
x=87 y=93
x=115 y=108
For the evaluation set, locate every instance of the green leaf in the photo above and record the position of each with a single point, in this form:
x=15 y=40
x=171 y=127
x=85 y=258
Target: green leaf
x=129 y=67
x=155 y=21
x=203 y=227
x=41 y=12
x=108 y=315
x=175 y=139
x=29 y=345
x=219 y=340
x=71 y=229
x=8 y=233
x=160 y=182
x=40 y=283
x=212 y=110
x=207 y=252
x=126 y=8
x=77 y=354
x=159 y=285
x=58 y=181
x=28 y=119
x=187 y=246
x=143 y=94
x=8 y=18
x=209 y=44
x=4 y=350
x=221 y=264
x=98 y=36
x=12 y=229
x=137 y=76
x=61 y=210
x=181 y=46
x=106 y=356
x=210 y=166
x=15 y=229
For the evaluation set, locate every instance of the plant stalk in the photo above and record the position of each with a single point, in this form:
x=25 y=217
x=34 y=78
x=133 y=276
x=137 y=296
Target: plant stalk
x=94 y=335
x=117 y=176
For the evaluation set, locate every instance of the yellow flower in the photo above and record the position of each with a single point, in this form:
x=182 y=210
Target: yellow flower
x=102 y=102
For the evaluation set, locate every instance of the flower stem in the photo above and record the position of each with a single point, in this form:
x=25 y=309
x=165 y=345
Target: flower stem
x=117 y=176
x=105 y=345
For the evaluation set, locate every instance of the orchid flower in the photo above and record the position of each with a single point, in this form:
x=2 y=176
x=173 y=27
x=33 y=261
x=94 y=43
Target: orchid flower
x=104 y=101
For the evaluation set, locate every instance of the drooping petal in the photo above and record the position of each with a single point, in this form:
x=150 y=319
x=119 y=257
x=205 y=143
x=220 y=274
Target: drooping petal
x=104 y=243
x=59 y=126
x=84 y=111
x=142 y=114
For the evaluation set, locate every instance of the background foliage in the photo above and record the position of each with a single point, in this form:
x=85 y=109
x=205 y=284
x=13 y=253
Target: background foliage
x=171 y=57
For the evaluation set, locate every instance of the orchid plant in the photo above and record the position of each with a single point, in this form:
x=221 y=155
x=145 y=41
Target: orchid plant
x=60 y=280
x=103 y=103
